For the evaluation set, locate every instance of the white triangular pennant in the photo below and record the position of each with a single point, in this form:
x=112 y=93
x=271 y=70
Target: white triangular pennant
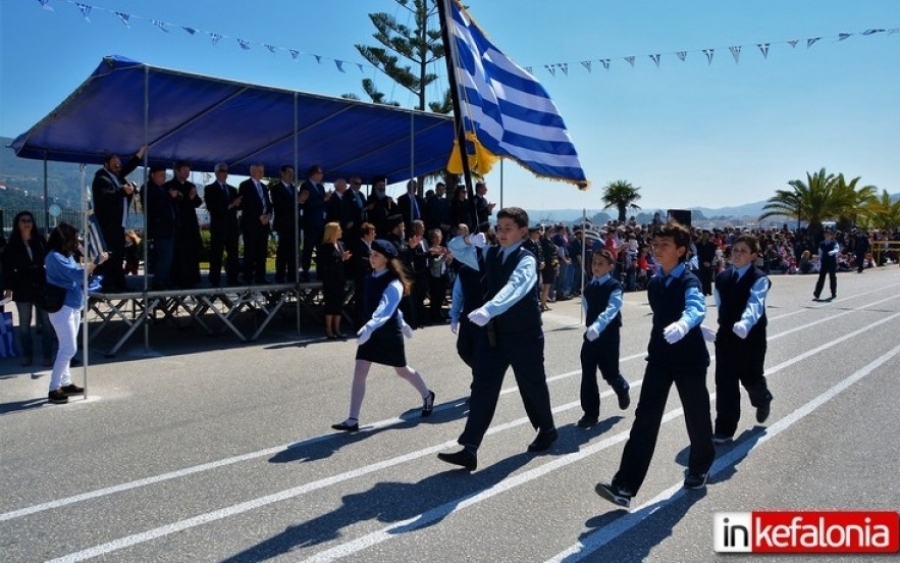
x=793 y=42
x=764 y=49
x=873 y=31
x=605 y=63
x=245 y=45
x=564 y=67
x=682 y=55
x=271 y=48
x=528 y=69
x=809 y=42
x=215 y=37
x=85 y=11
x=45 y=4
x=587 y=65
x=655 y=59
x=160 y=24
x=123 y=17
x=630 y=61
x=551 y=69
x=895 y=30
x=360 y=67
x=709 y=55
x=294 y=54
x=736 y=53
x=842 y=36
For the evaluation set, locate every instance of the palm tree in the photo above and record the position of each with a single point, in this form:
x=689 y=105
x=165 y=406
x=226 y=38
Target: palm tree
x=883 y=213
x=857 y=200
x=621 y=195
x=815 y=200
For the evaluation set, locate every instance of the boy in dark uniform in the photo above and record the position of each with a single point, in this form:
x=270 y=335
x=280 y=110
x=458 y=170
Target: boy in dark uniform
x=509 y=334
x=602 y=304
x=468 y=295
x=676 y=354
x=741 y=340
x=828 y=251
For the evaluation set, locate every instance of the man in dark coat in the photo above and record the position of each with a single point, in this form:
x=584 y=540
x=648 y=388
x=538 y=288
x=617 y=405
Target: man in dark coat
x=222 y=203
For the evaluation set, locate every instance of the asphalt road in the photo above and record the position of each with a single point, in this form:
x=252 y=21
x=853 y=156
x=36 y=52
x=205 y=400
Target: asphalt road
x=210 y=450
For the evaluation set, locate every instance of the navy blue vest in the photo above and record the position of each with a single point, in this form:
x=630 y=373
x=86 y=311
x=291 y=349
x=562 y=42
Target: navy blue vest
x=597 y=298
x=668 y=304
x=734 y=297
x=825 y=247
x=375 y=287
x=472 y=286
x=524 y=314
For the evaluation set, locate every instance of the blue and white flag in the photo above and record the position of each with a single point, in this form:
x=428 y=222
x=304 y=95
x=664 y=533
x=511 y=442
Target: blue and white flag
x=94 y=245
x=505 y=108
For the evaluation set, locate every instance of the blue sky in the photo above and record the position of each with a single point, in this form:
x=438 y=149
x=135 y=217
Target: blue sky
x=688 y=133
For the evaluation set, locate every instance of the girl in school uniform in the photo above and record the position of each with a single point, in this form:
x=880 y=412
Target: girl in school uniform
x=381 y=338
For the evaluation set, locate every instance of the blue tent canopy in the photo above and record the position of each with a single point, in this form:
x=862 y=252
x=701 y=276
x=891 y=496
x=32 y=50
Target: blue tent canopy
x=208 y=120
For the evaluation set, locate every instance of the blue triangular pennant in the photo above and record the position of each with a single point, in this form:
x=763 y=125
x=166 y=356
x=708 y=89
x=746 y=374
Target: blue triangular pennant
x=655 y=59
x=764 y=49
x=793 y=42
x=85 y=10
x=735 y=52
x=682 y=55
x=873 y=31
x=587 y=65
x=318 y=58
x=123 y=17
x=709 y=55
x=360 y=67
x=528 y=69
x=564 y=67
x=551 y=69
x=294 y=54
x=245 y=45
x=630 y=61
x=339 y=65
x=809 y=42
x=189 y=30
x=45 y=4
x=842 y=36
x=271 y=48
x=605 y=63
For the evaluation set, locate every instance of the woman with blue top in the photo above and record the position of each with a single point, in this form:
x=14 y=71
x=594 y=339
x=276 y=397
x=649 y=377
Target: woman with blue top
x=63 y=271
x=381 y=338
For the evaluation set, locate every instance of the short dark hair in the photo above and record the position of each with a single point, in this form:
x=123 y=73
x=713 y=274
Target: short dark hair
x=285 y=167
x=517 y=214
x=314 y=169
x=606 y=254
x=678 y=233
x=751 y=241
x=181 y=164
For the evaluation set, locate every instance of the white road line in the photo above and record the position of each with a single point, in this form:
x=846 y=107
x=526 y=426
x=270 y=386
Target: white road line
x=606 y=534
x=276 y=449
x=454 y=506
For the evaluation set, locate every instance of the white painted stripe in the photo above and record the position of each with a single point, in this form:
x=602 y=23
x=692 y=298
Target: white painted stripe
x=454 y=506
x=604 y=535
x=276 y=449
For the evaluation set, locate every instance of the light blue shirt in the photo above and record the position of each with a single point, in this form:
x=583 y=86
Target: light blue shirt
x=612 y=308
x=522 y=280
x=756 y=304
x=694 y=302
x=390 y=299
x=64 y=271
x=456 y=301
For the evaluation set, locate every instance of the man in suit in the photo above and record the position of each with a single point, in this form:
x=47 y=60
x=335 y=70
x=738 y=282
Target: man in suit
x=222 y=203
x=437 y=211
x=312 y=202
x=111 y=197
x=706 y=257
x=256 y=214
x=411 y=205
x=380 y=206
x=285 y=203
x=483 y=209
x=159 y=205
x=356 y=202
x=341 y=208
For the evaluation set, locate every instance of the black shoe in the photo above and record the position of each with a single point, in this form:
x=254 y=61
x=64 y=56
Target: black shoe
x=463 y=458
x=428 y=405
x=543 y=440
x=587 y=421
x=721 y=439
x=695 y=482
x=72 y=389
x=614 y=494
x=762 y=411
x=57 y=397
x=815 y=298
x=624 y=398
x=75 y=363
x=346 y=427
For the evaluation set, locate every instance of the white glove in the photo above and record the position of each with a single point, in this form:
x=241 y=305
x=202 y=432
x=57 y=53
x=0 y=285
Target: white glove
x=406 y=329
x=834 y=252
x=478 y=240
x=708 y=334
x=364 y=334
x=741 y=330
x=454 y=327
x=592 y=333
x=479 y=316
x=675 y=332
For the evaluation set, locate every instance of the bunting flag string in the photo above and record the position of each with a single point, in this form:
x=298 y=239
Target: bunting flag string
x=564 y=67
x=710 y=52
x=127 y=19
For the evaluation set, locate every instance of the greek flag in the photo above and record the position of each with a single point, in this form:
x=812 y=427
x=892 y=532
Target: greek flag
x=94 y=245
x=505 y=109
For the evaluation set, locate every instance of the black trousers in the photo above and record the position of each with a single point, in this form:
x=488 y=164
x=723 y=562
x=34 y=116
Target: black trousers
x=256 y=242
x=831 y=272
x=221 y=240
x=312 y=238
x=524 y=351
x=706 y=278
x=738 y=361
x=467 y=341
x=113 y=269
x=437 y=291
x=691 y=385
x=860 y=261
x=286 y=258
x=602 y=354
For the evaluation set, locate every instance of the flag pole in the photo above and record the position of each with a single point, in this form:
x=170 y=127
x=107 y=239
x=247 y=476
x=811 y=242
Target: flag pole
x=450 y=56
x=583 y=256
x=85 y=337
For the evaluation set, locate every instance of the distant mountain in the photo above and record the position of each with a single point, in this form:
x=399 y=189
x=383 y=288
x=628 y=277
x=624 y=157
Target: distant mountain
x=23 y=180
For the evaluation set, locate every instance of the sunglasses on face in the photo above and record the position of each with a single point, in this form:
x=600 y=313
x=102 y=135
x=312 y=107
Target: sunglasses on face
x=25 y=220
